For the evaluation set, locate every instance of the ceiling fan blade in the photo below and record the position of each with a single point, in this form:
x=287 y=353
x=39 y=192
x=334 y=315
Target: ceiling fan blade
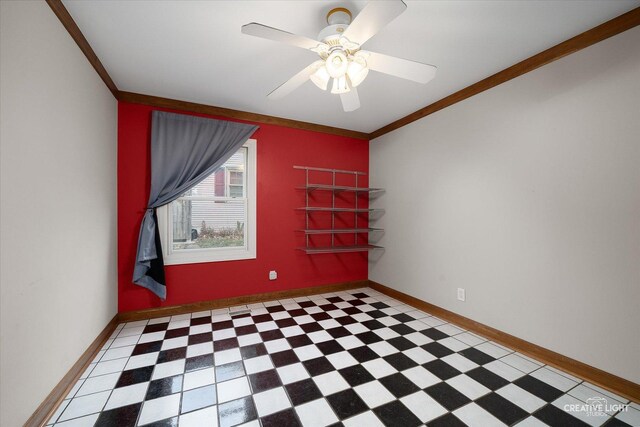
x=293 y=83
x=350 y=100
x=372 y=19
x=403 y=68
x=270 y=33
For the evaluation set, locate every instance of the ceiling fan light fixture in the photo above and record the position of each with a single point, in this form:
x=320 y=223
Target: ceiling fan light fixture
x=337 y=64
x=357 y=70
x=321 y=76
x=340 y=85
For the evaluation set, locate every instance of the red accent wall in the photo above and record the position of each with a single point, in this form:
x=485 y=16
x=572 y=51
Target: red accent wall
x=278 y=150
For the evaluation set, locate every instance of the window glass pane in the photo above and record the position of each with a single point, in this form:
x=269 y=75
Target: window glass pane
x=201 y=224
x=215 y=185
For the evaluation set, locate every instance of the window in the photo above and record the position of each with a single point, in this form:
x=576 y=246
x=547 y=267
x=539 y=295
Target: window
x=216 y=219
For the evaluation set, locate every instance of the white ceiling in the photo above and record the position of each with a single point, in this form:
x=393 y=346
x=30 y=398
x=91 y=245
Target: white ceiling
x=194 y=51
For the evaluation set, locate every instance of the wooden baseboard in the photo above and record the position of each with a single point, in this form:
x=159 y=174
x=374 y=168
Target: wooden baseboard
x=613 y=383
x=129 y=316
x=54 y=399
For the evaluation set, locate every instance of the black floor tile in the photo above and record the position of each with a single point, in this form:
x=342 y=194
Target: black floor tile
x=200 y=320
x=311 y=327
x=264 y=380
x=303 y=391
x=237 y=412
x=262 y=318
x=347 y=403
x=347 y=320
x=399 y=385
x=373 y=324
x=148 y=347
x=253 y=350
x=403 y=317
x=329 y=347
x=155 y=328
x=401 y=343
x=318 y=366
x=377 y=314
x=395 y=414
x=285 y=323
x=368 y=337
x=441 y=369
x=225 y=324
x=437 y=349
x=299 y=341
x=306 y=304
x=447 y=396
x=200 y=338
x=402 y=329
x=447 y=420
x=246 y=330
x=476 y=356
x=164 y=387
x=320 y=316
x=538 y=388
x=502 y=409
x=275 y=308
x=229 y=371
x=198 y=362
x=338 y=332
x=335 y=299
x=434 y=334
x=286 y=418
x=400 y=361
x=282 y=358
x=553 y=416
x=169 y=422
x=274 y=334
x=379 y=305
x=124 y=416
x=225 y=344
x=356 y=375
x=135 y=376
x=172 y=354
x=363 y=354
x=487 y=378
x=175 y=333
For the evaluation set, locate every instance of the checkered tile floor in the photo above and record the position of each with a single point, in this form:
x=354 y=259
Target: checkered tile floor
x=356 y=358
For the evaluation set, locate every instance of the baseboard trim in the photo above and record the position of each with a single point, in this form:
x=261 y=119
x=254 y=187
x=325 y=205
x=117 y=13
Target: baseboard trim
x=54 y=399
x=129 y=316
x=611 y=382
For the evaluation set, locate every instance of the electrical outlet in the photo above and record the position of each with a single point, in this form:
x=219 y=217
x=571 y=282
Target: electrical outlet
x=461 y=294
x=273 y=275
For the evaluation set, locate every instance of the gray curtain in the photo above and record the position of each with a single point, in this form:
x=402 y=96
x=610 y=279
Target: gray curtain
x=184 y=151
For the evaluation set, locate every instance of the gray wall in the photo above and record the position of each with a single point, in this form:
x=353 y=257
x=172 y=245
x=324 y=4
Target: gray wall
x=58 y=210
x=527 y=196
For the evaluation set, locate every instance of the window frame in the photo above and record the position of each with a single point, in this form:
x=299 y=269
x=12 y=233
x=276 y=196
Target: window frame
x=195 y=256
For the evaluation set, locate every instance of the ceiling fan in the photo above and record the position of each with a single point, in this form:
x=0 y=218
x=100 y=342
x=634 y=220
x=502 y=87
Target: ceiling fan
x=341 y=58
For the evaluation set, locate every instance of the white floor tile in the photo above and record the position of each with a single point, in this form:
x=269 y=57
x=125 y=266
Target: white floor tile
x=342 y=359
x=374 y=394
x=249 y=339
x=459 y=362
x=224 y=334
x=383 y=348
x=349 y=342
x=198 y=378
x=468 y=386
x=168 y=369
x=117 y=353
x=85 y=405
x=266 y=326
x=319 y=336
x=128 y=395
x=418 y=339
x=423 y=406
x=331 y=382
x=531 y=422
x=470 y=339
x=307 y=352
x=87 y=371
x=131 y=331
x=87 y=421
x=271 y=401
x=356 y=328
x=521 y=363
x=220 y=357
x=207 y=417
x=292 y=331
x=453 y=344
x=275 y=346
x=564 y=403
x=474 y=416
x=419 y=355
x=493 y=349
x=109 y=367
x=316 y=413
x=207 y=348
x=58 y=411
x=159 y=409
x=630 y=416
x=505 y=371
x=177 y=324
x=386 y=333
x=141 y=360
x=421 y=377
x=522 y=398
x=258 y=364
x=367 y=419
x=233 y=389
x=74 y=389
x=136 y=323
x=378 y=368
x=292 y=373
x=203 y=329
x=159 y=320
x=329 y=324
x=177 y=342
x=600 y=392
x=100 y=383
x=449 y=329
x=583 y=393
x=556 y=380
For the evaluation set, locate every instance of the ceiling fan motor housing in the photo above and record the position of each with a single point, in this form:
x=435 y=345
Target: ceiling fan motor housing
x=338 y=20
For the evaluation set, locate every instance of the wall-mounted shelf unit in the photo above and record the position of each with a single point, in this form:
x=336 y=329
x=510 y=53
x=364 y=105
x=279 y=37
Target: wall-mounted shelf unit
x=362 y=215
